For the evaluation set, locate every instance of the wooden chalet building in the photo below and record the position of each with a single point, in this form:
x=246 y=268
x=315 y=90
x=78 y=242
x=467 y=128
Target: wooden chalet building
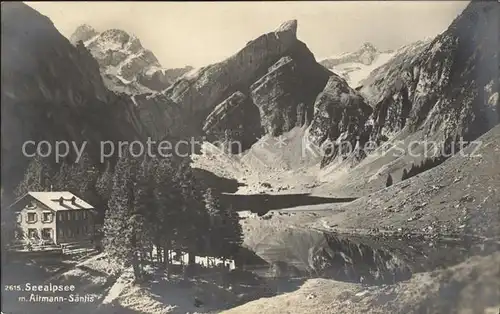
x=54 y=218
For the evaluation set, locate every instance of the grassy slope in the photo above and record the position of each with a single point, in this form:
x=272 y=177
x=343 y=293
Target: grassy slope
x=462 y=194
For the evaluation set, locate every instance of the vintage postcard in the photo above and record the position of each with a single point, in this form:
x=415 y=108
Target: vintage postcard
x=305 y=157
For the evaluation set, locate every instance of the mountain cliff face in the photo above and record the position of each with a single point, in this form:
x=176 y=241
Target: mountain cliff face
x=268 y=71
x=340 y=114
x=53 y=91
x=447 y=87
x=235 y=119
x=126 y=66
x=373 y=84
x=436 y=89
x=443 y=88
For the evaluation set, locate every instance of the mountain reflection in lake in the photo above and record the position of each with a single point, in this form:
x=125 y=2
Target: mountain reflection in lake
x=298 y=252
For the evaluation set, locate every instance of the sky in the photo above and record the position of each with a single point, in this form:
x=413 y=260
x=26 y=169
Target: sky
x=201 y=33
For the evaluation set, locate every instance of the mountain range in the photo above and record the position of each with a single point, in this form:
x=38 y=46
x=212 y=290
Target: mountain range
x=441 y=89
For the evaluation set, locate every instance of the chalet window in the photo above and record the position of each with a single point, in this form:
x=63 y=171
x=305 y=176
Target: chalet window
x=60 y=231
x=31 y=205
x=46 y=233
x=31 y=217
x=47 y=217
x=19 y=217
x=32 y=233
x=60 y=217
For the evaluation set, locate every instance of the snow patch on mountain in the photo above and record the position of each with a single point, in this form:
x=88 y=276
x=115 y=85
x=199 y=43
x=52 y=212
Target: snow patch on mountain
x=354 y=73
x=355 y=66
x=372 y=84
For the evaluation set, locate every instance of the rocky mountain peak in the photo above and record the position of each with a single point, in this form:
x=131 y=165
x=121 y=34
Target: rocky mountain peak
x=83 y=32
x=125 y=65
x=367 y=46
x=289 y=27
x=116 y=35
x=366 y=55
x=269 y=86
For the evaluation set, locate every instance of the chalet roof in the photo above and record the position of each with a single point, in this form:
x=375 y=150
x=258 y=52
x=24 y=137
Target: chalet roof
x=51 y=200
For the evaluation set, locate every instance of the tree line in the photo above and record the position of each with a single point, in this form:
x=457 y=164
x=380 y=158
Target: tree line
x=424 y=165
x=158 y=204
x=451 y=146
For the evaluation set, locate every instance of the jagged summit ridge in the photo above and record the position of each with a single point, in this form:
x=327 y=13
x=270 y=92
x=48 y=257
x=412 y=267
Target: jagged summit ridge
x=83 y=32
x=288 y=26
x=121 y=37
x=277 y=74
x=369 y=46
x=364 y=54
x=125 y=65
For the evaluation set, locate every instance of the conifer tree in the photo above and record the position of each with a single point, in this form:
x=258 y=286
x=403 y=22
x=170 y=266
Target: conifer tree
x=122 y=224
x=194 y=214
x=214 y=238
x=225 y=232
x=143 y=205
x=166 y=213
x=104 y=183
x=389 y=181
x=411 y=173
x=232 y=232
x=405 y=175
x=81 y=178
x=36 y=177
